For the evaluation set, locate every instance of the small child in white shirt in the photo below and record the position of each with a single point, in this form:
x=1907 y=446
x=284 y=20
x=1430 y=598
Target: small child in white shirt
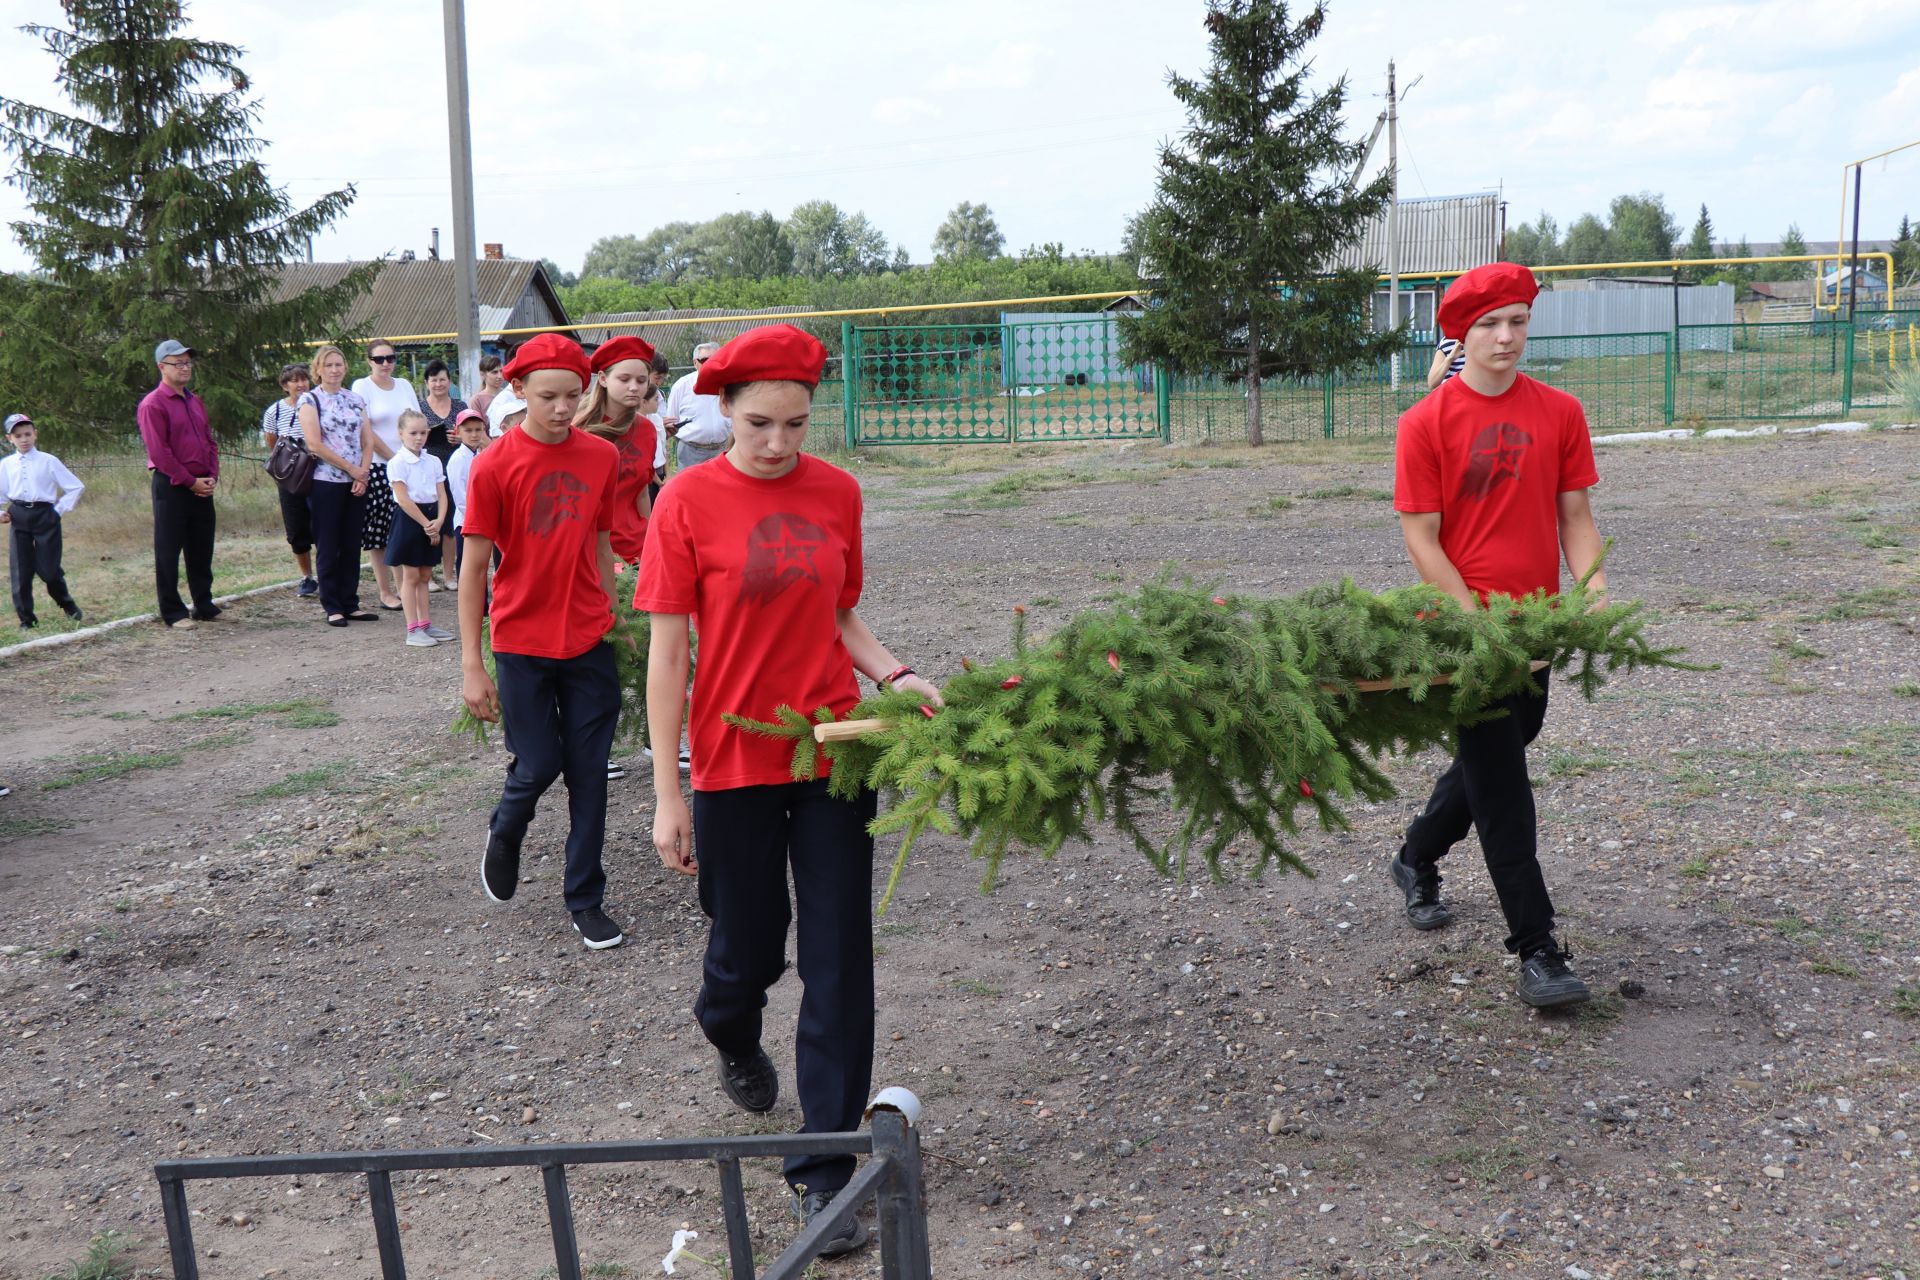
x=413 y=544
x=471 y=427
x=37 y=489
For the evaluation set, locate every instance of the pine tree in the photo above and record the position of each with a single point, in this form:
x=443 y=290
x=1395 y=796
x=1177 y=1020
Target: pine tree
x=1700 y=244
x=151 y=217
x=1253 y=207
x=1793 y=242
x=1906 y=253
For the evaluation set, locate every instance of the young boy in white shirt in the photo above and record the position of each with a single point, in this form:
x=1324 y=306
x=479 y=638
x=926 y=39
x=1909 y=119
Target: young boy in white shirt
x=471 y=427
x=39 y=490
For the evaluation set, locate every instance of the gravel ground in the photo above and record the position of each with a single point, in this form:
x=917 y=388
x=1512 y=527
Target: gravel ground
x=261 y=931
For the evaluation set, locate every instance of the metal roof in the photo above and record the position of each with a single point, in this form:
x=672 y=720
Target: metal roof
x=1437 y=234
x=419 y=296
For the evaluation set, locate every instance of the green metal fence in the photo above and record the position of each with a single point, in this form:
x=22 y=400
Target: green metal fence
x=1059 y=380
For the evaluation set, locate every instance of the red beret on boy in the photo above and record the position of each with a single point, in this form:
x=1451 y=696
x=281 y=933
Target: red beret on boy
x=771 y=353
x=624 y=347
x=1484 y=289
x=548 y=351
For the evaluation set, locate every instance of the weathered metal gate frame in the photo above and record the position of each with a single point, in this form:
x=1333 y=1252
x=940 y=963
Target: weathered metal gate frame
x=892 y=1177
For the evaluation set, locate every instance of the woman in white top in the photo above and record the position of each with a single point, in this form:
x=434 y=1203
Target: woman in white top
x=387 y=398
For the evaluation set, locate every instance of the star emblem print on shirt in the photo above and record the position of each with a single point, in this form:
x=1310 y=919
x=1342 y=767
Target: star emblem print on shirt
x=780 y=552
x=1494 y=458
x=556 y=500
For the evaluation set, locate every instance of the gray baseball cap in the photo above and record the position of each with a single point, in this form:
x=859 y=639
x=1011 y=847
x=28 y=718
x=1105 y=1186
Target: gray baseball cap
x=15 y=419
x=172 y=347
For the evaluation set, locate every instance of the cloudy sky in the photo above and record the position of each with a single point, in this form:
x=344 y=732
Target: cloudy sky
x=613 y=116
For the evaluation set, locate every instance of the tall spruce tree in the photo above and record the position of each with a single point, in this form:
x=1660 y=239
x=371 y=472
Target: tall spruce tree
x=1700 y=243
x=151 y=217
x=1252 y=210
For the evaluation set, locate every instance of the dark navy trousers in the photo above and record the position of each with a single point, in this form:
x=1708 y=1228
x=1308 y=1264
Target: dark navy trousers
x=336 y=518
x=746 y=839
x=559 y=714
x=1487 y=789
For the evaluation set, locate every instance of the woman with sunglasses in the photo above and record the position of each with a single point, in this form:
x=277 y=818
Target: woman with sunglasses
x=387 y=398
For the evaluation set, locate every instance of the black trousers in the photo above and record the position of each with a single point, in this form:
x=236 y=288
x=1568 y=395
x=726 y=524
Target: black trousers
x=297 y=519
x=36 y=552
x=183 y=527
x=338 y=517
x=558 y=714
x=1487 y=788
x=746 y=839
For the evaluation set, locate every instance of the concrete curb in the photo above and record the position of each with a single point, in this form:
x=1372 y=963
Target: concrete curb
x=88 y=633
x=1735 y=433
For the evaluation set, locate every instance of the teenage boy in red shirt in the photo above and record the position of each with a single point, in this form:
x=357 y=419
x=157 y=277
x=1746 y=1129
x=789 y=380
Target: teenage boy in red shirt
x=1491 y=473
x=543 y=496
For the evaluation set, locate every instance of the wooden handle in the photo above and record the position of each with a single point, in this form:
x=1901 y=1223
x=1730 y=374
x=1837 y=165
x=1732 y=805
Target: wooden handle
x=842 y=730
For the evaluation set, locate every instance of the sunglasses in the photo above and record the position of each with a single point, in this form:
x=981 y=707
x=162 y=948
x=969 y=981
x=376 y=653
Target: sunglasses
x=383 y=359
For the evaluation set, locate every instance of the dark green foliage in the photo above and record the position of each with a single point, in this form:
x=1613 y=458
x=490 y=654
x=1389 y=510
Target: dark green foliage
x=1235 y=713
x=151 y=217
x=630 y=636
x=1253 y=208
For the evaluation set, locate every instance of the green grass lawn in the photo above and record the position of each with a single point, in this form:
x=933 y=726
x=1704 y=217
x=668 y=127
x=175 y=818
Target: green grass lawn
x=108 y=538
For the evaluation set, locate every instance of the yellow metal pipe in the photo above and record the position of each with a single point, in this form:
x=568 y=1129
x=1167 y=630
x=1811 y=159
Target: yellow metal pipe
x=1845 y=169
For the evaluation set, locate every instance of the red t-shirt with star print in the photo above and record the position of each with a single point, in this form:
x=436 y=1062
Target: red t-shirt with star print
x=545 y=506
x=635 y=447
x=762 y=566
x=1494 y=467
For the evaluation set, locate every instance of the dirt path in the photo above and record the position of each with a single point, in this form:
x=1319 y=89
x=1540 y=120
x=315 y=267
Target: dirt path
x=260 y=931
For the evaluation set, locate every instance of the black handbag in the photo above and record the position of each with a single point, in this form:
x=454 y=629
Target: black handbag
x=292 y=464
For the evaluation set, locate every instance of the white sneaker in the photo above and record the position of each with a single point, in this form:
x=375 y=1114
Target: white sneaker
x=420 y=640
x=438 y=634
x=686 y=758
x=434 y=584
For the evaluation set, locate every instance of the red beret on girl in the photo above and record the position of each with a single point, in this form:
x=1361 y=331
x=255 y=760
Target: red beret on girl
x=771 y=353
x=548 y=351
x=1484 y=289
x=624 y=347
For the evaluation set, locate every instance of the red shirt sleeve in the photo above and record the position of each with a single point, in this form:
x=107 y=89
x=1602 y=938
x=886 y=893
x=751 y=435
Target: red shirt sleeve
x=856 y=568
x=668 y=581
x=609 y=491
x=1577 y=470
x=1416 y=462
x=156 y=433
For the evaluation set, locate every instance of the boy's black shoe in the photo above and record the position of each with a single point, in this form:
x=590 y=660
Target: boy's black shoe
x=73 y=611
x=1547 y=983
x=500 y=868
x=752 y=1082
x=597 y=929
x=852 y=1233
x=1422 y=887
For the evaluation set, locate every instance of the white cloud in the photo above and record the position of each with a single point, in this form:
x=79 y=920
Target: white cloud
x=902 y=110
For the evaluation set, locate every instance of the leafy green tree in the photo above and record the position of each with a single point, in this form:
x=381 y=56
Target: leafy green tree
x=616 y=258
x=1639 y=228
x=1588 y=241
x=151 y=216
x=1534 y=244
x=867 y=249
x=743 y=244
x=1252 y=205
x=817 y=232
x=560 y=279
x=968 y=232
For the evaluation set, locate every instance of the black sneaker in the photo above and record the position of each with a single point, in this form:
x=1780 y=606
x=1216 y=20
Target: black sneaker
x=752 y=1082
x=74 y=611
x=1422 y=887
x=308 y=587
x=597 y=929
x=850 y=1235
x=1547 y=983
x=500 y=868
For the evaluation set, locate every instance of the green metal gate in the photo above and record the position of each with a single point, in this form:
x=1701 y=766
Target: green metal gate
x=1012 y=381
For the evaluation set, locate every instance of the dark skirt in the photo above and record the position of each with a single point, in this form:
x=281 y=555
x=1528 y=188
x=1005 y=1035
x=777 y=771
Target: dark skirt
x=408 y=543
x=380 y=509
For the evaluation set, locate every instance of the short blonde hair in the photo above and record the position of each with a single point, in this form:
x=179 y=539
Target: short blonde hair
x=320 y=357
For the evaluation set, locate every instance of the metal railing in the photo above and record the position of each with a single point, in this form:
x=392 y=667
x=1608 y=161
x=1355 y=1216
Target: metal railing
x=891 y=1177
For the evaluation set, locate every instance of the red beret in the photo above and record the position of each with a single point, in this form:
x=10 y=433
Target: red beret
x=771 y=353
x=624 y=347
x=1483 y=289
x=548 y=351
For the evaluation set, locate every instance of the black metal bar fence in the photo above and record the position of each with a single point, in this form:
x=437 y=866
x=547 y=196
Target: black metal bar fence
x=891 y=1177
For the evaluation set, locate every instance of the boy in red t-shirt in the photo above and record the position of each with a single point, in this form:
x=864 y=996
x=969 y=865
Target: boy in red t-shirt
x=761 y=548
x=543 y=496
x=1491 y=473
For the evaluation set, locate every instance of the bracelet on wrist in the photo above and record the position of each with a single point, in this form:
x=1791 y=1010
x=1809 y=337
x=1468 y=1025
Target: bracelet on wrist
x=897 y=673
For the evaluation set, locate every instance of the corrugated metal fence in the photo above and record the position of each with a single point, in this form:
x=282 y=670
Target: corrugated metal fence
x=1580 y=313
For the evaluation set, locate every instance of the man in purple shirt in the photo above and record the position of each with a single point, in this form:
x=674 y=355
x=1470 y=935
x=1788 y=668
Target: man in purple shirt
x=185 y=467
